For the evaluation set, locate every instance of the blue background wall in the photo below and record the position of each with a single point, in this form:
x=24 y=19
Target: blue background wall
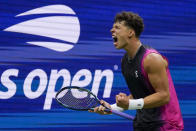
x=169 y=27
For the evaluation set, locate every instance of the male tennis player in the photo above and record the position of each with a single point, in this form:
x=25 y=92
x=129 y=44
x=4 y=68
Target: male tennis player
x=148 y=78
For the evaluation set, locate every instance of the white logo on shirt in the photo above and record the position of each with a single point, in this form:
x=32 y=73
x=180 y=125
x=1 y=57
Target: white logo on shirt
x=136 y=74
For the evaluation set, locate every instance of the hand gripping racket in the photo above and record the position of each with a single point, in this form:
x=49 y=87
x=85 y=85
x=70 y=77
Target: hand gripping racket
x=77 y=98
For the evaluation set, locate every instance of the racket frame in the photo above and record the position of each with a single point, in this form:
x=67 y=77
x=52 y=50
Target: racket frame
x=79 y=88
x=129 y=117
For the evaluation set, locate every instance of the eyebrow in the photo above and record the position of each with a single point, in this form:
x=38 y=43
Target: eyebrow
x=116 y=25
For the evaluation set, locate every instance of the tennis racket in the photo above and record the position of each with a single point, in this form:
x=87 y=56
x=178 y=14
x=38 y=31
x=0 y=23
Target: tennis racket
x=77 y=98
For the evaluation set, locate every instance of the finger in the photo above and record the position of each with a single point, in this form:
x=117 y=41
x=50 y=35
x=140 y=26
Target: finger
x=96 y=109
x=120 y=98
x=101 y=108
x=117 y=97
x=105 y=104
x=122 y=94
x=102 y=102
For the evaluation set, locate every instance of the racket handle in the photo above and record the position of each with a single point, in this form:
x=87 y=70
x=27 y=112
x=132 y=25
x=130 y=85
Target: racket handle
x=120 y=114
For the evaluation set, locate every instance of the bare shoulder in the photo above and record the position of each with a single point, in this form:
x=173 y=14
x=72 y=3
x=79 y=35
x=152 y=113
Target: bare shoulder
x=154 y=62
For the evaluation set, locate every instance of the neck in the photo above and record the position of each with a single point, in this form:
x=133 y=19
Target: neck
x=132 y=47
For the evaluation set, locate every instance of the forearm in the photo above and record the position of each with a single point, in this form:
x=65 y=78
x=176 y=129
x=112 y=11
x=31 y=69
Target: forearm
x=156 y=100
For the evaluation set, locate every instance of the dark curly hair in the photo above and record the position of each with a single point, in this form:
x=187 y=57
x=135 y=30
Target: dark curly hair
x=132 y=20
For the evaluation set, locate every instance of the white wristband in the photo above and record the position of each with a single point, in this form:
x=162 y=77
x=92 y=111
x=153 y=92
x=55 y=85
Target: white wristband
x=136 y=104
x=115 y=107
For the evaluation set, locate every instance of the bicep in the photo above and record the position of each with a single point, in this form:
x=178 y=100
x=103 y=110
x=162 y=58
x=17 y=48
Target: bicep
x=156 y=69
x=159 y=80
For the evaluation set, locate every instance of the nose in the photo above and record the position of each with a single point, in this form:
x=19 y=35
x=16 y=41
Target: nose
x=112 y=30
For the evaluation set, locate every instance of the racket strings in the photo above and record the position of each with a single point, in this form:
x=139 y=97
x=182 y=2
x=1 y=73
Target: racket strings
x=70 y=101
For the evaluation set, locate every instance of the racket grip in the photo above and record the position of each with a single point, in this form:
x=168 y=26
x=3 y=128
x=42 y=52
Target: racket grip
x=129 y=117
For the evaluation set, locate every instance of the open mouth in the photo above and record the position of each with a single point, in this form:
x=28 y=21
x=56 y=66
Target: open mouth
x=115 y=39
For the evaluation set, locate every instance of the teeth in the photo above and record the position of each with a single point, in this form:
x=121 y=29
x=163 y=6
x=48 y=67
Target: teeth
x=115 y=39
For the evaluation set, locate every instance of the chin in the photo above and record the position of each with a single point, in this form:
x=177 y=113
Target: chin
x=118 y=48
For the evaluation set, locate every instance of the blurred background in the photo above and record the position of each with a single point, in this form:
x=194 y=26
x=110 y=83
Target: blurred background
x=48 y=44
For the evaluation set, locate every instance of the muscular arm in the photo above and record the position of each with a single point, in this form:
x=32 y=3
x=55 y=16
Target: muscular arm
x=155 y=66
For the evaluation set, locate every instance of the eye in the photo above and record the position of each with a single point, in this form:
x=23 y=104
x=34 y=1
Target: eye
x=117 y=27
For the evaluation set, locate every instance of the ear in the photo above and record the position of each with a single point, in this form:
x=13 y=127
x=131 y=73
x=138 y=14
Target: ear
x=131 y=33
